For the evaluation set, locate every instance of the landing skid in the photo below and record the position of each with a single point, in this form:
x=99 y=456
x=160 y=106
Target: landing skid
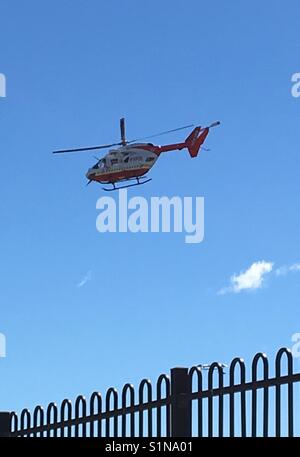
x=138 y=183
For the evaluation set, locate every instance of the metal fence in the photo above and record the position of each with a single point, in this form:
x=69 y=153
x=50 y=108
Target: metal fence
x=189 y=402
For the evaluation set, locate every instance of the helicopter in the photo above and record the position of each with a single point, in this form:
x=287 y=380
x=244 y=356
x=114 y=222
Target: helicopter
x=132 y=159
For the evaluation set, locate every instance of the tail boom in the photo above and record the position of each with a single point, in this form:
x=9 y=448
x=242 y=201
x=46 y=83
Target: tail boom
x=193 y=142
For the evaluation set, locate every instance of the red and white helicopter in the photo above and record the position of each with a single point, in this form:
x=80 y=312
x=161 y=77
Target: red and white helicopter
x=132 y=160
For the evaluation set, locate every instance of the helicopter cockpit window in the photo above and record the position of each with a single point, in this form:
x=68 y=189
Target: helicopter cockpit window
x=100 y=164
x=97 y=165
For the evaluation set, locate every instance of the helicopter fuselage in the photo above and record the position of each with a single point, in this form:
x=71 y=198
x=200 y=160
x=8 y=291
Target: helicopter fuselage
x=126 y=162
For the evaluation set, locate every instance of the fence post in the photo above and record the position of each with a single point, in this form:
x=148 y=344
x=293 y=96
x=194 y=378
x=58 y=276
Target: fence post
x=4 y=424
x=181 y=411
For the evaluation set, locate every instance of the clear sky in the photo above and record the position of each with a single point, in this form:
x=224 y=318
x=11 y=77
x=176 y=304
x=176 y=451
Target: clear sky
x=73 y=68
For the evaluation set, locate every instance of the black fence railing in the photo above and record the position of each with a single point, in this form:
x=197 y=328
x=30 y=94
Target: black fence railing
x=188 y=403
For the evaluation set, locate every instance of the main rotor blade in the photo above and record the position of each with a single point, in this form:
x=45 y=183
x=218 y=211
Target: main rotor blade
x=122 y=128
x=161 y=133
x=86 y=149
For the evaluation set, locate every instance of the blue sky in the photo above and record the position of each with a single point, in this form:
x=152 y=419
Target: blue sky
x=73 y=68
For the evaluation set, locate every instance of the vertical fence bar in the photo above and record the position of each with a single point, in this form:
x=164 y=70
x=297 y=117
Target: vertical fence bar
x=114 y=394
x=14 y=423
x=278 y=374
x=38 y=419
x=198 y=371
x=128 y=387
x=25 y=421
x=181 y=411
x=163 y=378
x=219 y=368
x=145 y=382
x=96 y=396
x=65 y=405
x=51 y=407
x=4 y=424
x=80 y=400
x=237 y=362
x=260 y=356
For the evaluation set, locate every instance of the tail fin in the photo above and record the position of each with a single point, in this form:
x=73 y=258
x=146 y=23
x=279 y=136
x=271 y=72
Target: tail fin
x=197 y=138
x=194 y=140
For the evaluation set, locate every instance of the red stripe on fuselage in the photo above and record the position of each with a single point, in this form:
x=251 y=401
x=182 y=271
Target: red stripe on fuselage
x=115 y=176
